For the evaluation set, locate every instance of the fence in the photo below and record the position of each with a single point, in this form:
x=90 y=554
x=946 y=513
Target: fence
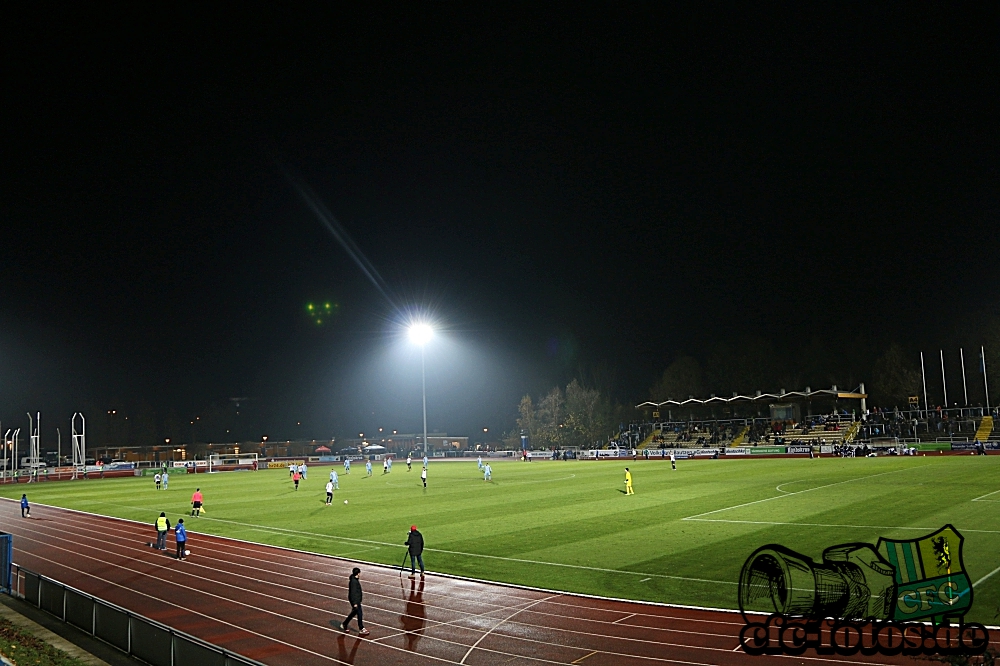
x=137 y=636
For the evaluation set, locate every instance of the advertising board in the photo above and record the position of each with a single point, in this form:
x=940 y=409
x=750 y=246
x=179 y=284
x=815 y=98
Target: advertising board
x=799 y=449
x=738 y=451
x=767 y=450
x=693 y=453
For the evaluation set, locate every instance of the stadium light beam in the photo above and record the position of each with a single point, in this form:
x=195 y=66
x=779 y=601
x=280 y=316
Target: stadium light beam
x=420 y=335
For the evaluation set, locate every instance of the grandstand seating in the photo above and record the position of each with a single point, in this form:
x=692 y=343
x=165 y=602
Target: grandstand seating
x=985 y=429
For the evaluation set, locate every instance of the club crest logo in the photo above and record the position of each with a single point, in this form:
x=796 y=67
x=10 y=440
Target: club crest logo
x=861 y=598
x=930 y=577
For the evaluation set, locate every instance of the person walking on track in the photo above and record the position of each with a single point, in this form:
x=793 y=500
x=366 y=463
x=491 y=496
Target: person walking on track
x=354 y=597
x=415 y=542
x=25 y=509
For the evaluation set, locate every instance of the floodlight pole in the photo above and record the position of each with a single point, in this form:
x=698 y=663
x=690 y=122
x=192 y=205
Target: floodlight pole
x=944 y=381
x=965 y=388
x=423 y=391
x=923 y=377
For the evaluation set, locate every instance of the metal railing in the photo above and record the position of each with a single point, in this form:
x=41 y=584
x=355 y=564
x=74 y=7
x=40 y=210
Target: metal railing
x=138 y=636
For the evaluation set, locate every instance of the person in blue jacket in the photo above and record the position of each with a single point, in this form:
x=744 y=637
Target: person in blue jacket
x=25 y=509
x=180 y=536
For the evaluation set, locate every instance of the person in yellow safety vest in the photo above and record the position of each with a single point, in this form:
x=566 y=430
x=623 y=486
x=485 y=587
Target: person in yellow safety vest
x=162 y=527
x=628 y=482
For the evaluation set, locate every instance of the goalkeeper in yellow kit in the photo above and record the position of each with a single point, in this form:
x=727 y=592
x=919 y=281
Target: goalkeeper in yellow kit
x=628 y=482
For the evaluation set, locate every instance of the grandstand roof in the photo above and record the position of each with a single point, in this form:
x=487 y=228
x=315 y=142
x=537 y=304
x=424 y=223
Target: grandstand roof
x=781 y=395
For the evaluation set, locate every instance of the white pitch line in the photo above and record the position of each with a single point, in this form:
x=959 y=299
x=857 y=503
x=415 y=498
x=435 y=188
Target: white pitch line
x=283 y=530
x=787 y=492
x=985 y=577
x=799 y=492
x=980 y=498
x=871 y=527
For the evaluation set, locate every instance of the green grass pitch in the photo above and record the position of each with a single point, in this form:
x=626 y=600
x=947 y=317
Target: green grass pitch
x=681 y=538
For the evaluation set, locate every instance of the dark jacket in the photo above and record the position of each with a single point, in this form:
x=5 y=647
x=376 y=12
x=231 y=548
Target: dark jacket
x=354 y=591
x=416 y=543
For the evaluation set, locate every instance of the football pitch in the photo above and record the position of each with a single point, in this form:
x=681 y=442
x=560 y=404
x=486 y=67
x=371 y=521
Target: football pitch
x=567 y=525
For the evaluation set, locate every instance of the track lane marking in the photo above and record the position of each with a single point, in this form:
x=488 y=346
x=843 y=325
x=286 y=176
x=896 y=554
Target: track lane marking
x=538 y=601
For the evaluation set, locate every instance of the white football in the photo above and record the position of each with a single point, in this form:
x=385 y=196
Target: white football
x=186 y=553
x=345 y=501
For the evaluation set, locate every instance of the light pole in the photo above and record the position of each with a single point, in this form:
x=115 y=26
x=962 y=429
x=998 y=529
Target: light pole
x=421 y=334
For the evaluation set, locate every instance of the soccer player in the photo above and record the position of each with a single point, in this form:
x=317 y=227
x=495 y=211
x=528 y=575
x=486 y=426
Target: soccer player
x=156 y=479
x=295 y=479
x=292 y=468
x=385 y=466
x=487 y=473
x=425 y=461
x=415 y=543
x=423 y=476
x=368 y=467
x=390 y=464
x=166 y=478
x=304 y=471
x=628 y=482
x=334 y=479
x=409 y=462
x=480 y=461
x=196 y=500
x=673 y=460
x=329 y=493
x=347 y=465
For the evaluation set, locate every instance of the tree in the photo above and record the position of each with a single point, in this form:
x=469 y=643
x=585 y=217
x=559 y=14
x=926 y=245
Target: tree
x=585 y=415
x=549 y=419
x=526 y=419
x=682 y=378
x=894 y=378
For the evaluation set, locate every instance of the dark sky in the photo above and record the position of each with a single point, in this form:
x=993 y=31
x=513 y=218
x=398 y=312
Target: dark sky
x=588 y=193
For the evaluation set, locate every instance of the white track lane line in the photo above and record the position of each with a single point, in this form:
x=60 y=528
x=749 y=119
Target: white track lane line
x=290 y=618
x=298 y=578
x=589 y=634
x=682 y=646
x=497 y=626
x=453 y=624
x=326 y=537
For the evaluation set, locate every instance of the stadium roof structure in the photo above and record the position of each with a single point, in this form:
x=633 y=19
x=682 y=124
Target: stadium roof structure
x=781 y=395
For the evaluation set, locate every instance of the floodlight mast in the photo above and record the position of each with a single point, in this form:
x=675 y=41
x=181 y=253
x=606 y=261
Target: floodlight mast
x=421 y=334
x=423 y=392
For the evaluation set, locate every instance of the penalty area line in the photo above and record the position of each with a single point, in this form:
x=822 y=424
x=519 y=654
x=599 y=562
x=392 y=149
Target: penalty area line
x=799 y=492
x=980 y=498
x=853 y=527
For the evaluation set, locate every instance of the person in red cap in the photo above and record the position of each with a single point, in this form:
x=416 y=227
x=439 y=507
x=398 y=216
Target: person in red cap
x=415 y=542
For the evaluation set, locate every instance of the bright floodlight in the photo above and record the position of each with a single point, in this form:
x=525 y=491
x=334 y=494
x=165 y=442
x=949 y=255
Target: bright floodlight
x=421 y=334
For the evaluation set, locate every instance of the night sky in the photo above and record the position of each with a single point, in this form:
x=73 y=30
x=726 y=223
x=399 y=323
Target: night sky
x=586 y=194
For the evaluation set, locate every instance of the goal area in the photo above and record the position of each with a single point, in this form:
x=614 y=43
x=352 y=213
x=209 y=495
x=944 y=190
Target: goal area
x=231 y=462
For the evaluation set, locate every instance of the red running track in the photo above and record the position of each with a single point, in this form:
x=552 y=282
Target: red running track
x=282 y=607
